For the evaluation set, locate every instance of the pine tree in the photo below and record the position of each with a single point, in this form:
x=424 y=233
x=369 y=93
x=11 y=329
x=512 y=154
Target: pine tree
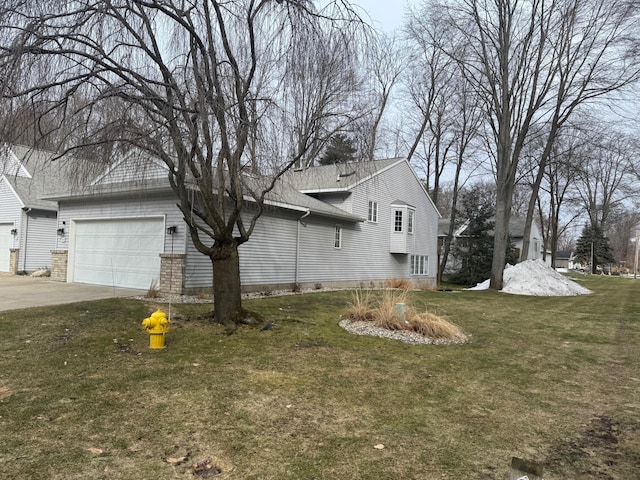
x=475 y=249
x=593 y=240
x=339 y=150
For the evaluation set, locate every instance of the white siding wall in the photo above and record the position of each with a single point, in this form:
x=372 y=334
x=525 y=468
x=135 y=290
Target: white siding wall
x=399 y=183
x=535 y=244
x=198 y=269
x=360 y=257
x=268 y=258
x=136 y=206
x=340 y=200
x=10 y=210
x=270 y=254
x=365 y=253
x=38 y=238
x=11 y=165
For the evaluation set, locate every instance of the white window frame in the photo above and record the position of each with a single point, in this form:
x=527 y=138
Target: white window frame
x=419 y=264
x=397 y=211
x=411 y=220
x=337 y=238
x=372 y=214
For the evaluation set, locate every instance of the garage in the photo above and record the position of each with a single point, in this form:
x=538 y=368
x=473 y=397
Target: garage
x=118 y=252
x=6 y=242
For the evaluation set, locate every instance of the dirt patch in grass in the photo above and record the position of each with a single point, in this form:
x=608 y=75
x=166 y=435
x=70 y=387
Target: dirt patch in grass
x=598 y=451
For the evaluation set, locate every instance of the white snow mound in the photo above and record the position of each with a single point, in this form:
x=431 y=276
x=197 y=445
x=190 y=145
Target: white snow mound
x=534 y=277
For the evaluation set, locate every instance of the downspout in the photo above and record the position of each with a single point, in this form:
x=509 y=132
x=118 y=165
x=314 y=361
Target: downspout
x=306 y=214
x=24 y=238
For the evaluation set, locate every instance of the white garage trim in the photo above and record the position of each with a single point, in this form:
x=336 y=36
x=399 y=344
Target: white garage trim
x=120 y=252
x=6 y=242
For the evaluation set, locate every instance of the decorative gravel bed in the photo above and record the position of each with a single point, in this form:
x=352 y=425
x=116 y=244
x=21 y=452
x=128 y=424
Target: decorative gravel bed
x=366 y=328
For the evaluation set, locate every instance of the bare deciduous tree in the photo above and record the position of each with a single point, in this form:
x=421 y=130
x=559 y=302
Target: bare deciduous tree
x=383 y=65
x=203 y=86
x=504 y=64
x=430 y=83
x=561 y=170
x=605 y=179
x=592 y=44
x=532 y=62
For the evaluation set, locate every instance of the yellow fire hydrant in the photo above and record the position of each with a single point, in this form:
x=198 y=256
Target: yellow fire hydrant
x=156 y=326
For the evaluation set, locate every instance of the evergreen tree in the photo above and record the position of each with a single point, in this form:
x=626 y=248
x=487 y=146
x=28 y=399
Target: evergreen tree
x=339 y=150
x=475 y=249
x=593 y=240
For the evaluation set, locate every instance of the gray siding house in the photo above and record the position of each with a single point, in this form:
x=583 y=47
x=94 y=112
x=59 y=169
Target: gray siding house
x=27 y=223
x=516 y=231
x=339 y=225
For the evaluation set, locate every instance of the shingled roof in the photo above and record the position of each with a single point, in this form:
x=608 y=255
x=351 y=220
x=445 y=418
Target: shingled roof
x=338 y=177
x=31 y=173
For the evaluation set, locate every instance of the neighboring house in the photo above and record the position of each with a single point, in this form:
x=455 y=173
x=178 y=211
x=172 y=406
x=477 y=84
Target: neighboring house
x=516 y=231
x=337 y=225
x=27 y=223
x=536 y=244
x=565 y=259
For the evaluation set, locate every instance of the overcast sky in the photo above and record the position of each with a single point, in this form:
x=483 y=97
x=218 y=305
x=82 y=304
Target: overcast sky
x=385 y=14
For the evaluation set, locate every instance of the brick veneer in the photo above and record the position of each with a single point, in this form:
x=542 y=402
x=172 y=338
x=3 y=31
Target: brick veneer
x=14 y=254
x=172 y=273
x=59 y=261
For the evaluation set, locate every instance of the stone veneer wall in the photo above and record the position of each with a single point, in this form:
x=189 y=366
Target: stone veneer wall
x=13 y=260
x=172 y=273
x=59 y=261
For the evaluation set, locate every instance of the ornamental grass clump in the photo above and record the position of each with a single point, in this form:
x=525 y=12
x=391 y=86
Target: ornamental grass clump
x=382 y=311
x=360 y=306
x=385 y=314
x=433 y=326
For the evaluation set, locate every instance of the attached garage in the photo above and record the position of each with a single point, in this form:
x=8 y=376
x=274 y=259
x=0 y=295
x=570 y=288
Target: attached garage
x=120 y=252
x=6 y=242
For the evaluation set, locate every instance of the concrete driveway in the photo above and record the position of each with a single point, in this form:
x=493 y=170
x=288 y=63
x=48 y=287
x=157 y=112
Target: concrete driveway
x=18 y=291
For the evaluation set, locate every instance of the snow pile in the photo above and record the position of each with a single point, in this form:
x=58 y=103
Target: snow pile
x=533 y=277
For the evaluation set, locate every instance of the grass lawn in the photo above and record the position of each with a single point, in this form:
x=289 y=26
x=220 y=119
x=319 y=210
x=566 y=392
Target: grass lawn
x=553 y=380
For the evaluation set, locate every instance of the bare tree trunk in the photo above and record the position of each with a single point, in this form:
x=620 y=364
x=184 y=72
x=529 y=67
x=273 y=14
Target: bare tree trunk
x=226 y=286
x=452 y=223
x=531 y=208
x=501 y=235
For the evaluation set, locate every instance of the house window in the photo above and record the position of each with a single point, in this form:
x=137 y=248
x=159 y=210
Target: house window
x=397 y=224
x=410 y=217
x=373 y=212
x=419 y=265
x=337 y=242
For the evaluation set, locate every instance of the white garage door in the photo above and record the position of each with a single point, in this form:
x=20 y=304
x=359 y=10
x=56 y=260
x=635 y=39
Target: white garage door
x=6 y=242
x=120 y=252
